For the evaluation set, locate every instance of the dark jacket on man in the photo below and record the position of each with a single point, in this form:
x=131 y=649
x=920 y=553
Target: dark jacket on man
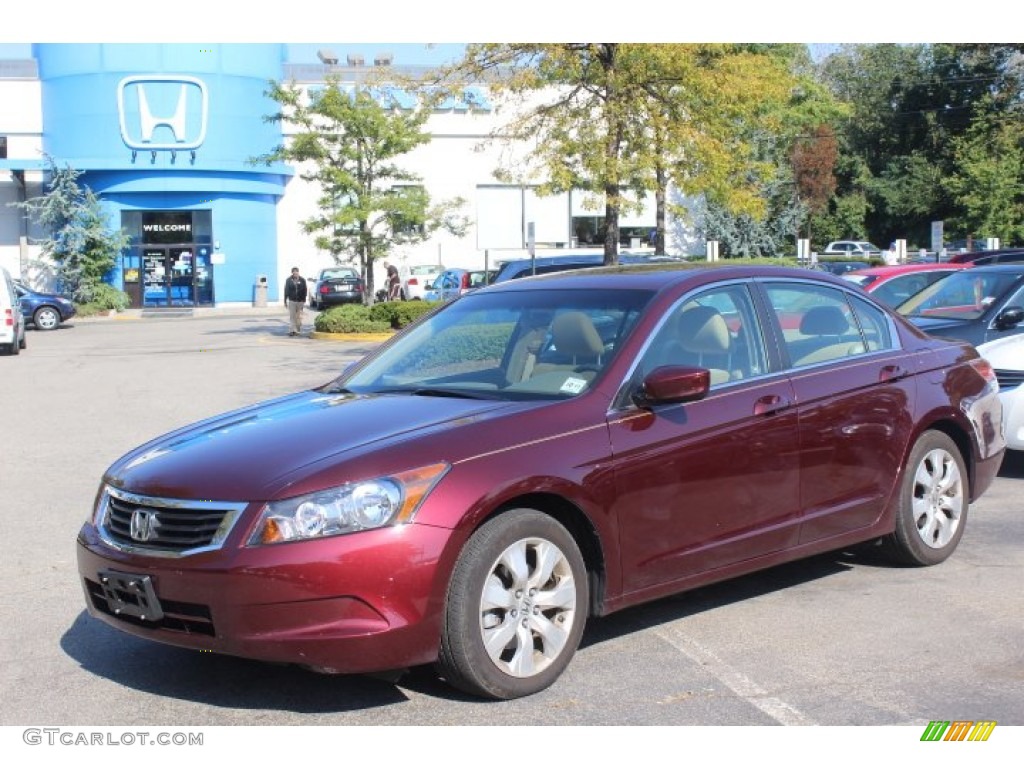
x=295 y=290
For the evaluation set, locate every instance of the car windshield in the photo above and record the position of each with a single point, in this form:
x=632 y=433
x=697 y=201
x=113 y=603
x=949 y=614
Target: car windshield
x=426 y=269
x=515 y=345
x=336 y=274
x=964 y=295
x=860 y=280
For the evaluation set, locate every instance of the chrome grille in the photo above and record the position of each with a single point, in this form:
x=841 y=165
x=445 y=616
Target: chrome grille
x=1009 y=379
x=167 y=527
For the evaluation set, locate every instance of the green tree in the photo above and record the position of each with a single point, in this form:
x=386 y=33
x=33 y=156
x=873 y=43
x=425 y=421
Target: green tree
x=348 y=143
x=743 y=234
x=909 y=107
x=80 y=241
x=989 y=178
x=623 y=119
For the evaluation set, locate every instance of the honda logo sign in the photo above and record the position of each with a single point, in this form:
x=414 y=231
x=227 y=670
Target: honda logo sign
x=162 y=112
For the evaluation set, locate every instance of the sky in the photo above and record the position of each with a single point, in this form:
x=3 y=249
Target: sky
x=444 y=22
x=410 y=54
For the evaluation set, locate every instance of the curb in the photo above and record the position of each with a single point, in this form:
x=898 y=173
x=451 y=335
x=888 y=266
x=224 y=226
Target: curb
x=350 y=336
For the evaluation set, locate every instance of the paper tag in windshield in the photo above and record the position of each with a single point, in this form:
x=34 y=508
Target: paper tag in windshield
x=573 y=386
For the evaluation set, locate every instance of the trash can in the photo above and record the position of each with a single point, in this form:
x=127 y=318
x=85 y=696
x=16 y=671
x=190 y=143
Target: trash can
x=259 y=291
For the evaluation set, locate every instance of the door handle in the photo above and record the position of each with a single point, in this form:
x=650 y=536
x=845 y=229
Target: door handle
x=769 y=404
x=892 y=373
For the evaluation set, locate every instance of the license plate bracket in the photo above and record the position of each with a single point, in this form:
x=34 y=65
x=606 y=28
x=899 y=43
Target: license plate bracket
x=131 y=594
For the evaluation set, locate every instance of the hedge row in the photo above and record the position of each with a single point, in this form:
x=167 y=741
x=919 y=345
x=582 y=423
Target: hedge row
x=379 y=318
x=399 y=314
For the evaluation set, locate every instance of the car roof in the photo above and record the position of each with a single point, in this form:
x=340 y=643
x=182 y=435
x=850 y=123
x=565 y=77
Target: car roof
x=972 y=255
x=1015 y=267
x=656 y=276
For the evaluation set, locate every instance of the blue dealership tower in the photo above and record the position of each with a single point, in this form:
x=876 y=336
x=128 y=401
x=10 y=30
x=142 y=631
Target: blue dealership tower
x=166 y=135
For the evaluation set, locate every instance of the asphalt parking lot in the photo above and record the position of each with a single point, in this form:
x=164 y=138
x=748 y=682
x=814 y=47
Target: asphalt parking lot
x=840 y=639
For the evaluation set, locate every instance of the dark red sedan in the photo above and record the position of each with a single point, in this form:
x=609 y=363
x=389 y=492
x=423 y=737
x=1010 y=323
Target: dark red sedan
x=540 y=452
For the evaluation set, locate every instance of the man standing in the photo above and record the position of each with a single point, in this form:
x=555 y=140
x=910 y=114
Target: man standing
x=394 y=282
x=295 y=300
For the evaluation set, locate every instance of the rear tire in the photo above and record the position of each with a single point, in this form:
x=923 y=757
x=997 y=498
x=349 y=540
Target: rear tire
x=933 y=503
x=516 y=607
x=46 y=318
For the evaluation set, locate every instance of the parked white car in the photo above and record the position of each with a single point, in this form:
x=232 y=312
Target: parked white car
x=1007 y=358
x=858 y=248
x=418 y=278
x=12 y=322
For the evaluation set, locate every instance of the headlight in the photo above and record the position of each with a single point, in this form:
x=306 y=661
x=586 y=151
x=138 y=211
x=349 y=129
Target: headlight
x=99 y=506
x=349 y=508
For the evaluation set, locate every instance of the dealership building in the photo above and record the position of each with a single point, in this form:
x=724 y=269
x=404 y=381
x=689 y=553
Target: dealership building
x=166 y=135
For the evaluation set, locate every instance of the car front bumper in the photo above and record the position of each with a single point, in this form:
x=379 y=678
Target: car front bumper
x=335 y=299
x=364 y=602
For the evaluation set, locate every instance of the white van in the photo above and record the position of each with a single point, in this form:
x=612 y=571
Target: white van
x=12 y=323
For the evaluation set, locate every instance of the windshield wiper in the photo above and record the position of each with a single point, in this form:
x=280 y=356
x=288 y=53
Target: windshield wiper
x=338 y=391
x=439 y=392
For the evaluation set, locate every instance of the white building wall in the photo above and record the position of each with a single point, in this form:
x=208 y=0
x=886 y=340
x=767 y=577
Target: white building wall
x=21 y=122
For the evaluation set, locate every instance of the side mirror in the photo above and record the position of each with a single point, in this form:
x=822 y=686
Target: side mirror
x=673 y=384
x=1009 y=317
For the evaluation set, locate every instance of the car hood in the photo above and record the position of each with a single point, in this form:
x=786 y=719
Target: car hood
x=257 y=453
x=936 y=325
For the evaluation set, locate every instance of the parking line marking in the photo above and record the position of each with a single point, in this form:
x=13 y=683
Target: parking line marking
x=735 y=680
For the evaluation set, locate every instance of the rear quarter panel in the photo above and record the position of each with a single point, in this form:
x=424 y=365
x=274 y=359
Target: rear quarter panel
x=954 y=397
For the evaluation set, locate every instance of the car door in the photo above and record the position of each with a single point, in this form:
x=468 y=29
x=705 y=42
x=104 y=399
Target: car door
x=700 y=485
x=854 y=391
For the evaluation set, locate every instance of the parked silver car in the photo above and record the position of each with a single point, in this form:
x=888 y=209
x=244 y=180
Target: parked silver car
x=12 y=322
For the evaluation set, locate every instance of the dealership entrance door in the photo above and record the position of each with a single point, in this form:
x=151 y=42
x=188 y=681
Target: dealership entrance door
x=162 y=268
x=169 y=276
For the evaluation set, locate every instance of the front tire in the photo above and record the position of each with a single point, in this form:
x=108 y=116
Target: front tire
x=934 y=497
x=46 y=318
x=516 y=607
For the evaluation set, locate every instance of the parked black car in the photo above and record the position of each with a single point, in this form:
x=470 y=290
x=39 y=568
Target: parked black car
x=545 y=265
x=44 y=310
x=336 y=285
x=981 y=258
x=978 y=304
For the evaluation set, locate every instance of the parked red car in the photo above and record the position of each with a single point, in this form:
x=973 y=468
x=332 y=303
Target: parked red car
x=537 y=453
x=895 y=284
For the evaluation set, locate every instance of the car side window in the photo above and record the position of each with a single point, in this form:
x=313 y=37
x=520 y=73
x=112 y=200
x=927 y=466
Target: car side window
x=874 y=325
x=717 y=330
x=818 y=323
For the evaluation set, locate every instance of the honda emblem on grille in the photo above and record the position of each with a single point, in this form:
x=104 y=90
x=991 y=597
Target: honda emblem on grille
x=144 y=524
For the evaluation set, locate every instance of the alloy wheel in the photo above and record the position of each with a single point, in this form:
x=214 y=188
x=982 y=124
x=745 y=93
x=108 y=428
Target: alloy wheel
x=527 y=607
